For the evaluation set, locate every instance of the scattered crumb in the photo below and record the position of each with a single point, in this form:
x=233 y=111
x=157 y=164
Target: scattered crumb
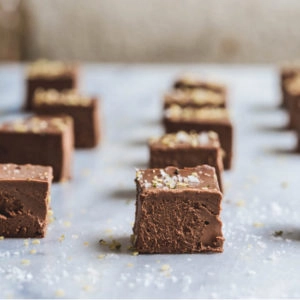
x=32 y=251
x=26 y=243
x=278 y=233
x=129 y=265
x=25 y=262
x=59 y=293
x=258 y=224
x=102 y=242
x=1 y=237
x=62 y=238
x=284 y=184
x=86 y=244
x=67 y=223
x=165 y=268
x=35 y=242
x=87 y=288
x=101 y=256
x=135 y=253
x=240 y=203
x=113 y=245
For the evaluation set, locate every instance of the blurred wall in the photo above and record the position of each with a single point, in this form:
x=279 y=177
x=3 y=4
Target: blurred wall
x=162 y=30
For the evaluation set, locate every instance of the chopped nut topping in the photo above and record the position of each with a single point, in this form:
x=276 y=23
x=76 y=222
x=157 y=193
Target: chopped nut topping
x=199 y=96
x=194 y=139
x=37 y=124
x=187 y=113
x=68 y=98
x=46 y=68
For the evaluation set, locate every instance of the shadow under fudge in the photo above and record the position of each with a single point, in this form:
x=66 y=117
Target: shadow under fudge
x=109 y=244
x=282 y=232
x=123 y=194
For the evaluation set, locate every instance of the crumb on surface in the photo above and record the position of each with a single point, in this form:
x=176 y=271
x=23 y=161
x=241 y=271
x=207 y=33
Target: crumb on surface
x=35 y=242
x=61 y=238
x=67 y=223
x=32 y=251
x=278 y=233
x=25 y=262
x=59 y=293
x=258 y=224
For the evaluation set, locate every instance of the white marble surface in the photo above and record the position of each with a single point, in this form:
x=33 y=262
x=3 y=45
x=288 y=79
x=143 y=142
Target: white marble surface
x=262 y=196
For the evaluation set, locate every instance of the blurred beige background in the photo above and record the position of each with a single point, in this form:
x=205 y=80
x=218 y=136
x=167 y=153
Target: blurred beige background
x=230 y=31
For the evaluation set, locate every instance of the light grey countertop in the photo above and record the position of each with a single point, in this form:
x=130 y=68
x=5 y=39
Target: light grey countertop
x=261 y=197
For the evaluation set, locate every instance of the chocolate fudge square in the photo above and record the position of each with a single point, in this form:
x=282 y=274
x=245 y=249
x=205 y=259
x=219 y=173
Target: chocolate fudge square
x=24 y=200
x=205 y=119
x=84 y=111
x=178 y=211
x=49 y=75
x=193 y=81
x=292 y=87
x=197 y=98
x=287 y=73
x=43 y=140
x=183 y=149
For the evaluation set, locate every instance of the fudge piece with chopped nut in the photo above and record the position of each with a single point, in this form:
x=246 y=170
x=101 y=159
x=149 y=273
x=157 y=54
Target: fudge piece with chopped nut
x=24 y=200
x=178 y=211
x=191 y=81
x=196 y=98
x=84 y=111
x=49 y=75
x=188 y=119
x=183 y=149
x=43 y=140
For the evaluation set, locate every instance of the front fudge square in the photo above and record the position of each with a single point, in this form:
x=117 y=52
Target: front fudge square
x=24 y=200
x=194 y=81
x=177 y=211
x=84 y=111
x=205 y=119
x=43 y=140
x=49 y=75
x=196 y=98
x=183 y=149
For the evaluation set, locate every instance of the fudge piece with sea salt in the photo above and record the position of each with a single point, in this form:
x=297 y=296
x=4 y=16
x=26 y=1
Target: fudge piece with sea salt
x=188 y=119
x=24 y=200
x=178 y=211
x=83 y=109
x=39 y=140
x=49 y=75
x=183 y=149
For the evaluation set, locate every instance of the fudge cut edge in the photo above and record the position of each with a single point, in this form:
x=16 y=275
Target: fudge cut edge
x=24 y=203
x=184 y=220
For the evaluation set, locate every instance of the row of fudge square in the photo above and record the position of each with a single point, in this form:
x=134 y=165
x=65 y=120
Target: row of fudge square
x=179 y=197
x=63 y=119
x=36 y=150
x=290 y=87
x=52 y=89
